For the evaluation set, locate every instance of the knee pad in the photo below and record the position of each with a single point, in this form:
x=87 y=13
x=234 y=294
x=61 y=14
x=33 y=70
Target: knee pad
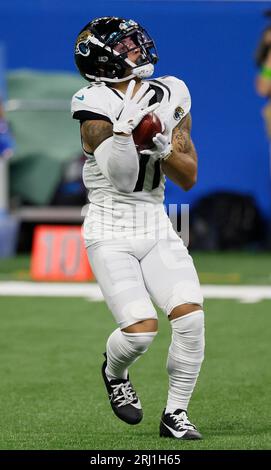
x=140 y=341
x=188 y=337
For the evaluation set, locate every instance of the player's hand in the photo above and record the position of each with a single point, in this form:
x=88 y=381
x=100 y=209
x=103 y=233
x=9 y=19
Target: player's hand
x=133 y=109
x=162 y=146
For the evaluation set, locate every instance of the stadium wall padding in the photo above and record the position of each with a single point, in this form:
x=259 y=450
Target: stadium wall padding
x=210 y=45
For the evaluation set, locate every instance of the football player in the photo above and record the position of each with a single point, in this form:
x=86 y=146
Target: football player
x=136 y=262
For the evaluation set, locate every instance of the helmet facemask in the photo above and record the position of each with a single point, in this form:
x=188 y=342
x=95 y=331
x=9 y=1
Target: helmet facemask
x=138 y=41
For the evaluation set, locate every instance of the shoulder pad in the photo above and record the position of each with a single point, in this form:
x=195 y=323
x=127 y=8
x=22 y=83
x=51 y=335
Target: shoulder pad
x=180 y=91
x=90 y=98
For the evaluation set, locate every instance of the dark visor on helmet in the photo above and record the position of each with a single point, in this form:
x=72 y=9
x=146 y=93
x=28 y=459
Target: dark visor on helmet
x=133 y=42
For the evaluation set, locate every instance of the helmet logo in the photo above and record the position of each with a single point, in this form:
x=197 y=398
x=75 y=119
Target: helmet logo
x=82 y=44
x=82 y=49
x=178 y=113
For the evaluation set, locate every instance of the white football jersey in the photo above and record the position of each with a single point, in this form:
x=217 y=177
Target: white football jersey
x=94 y=102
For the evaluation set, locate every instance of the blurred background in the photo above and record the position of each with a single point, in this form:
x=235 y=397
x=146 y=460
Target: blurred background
x=52 y=334
x=210 y=45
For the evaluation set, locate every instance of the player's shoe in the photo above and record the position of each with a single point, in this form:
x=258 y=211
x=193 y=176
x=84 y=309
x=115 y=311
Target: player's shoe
x=123 y=398
x=178 y=426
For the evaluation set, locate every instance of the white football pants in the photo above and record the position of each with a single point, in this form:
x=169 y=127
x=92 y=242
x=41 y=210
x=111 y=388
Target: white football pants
x=132 y=273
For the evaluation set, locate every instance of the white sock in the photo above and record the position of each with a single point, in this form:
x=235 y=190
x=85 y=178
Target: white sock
x=185 y=356
x=123 y=349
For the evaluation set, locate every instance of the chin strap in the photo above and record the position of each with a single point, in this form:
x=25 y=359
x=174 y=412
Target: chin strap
x=144 y=71
x=141 y=71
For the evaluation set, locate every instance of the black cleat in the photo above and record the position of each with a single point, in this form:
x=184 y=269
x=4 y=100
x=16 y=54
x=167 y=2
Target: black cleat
x=178 y=426
x=123 y=398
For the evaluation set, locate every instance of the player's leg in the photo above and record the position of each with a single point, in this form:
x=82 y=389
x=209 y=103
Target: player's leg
x=119 y=276
x=185 y=354
x=177 y=291
x=125 y=346
x=123 y=349
x=184 y=361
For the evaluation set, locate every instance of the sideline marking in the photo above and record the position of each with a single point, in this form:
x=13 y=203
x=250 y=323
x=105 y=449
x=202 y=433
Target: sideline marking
x=91 y=291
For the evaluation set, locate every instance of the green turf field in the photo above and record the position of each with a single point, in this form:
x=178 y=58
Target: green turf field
x=52 y=395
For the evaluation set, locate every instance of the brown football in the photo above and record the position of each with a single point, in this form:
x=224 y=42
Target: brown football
x=148 y=127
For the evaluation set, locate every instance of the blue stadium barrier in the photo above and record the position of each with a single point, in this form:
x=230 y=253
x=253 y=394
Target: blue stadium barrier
x=208 y=44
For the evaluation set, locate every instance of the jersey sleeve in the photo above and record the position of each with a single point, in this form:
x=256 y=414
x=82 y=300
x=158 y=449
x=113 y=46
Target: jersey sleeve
x=89 y=104
x=177 y=102
x=185 y=97
x=181 y=94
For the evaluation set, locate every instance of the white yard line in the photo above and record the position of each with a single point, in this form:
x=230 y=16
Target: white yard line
x=91 y=291
x=46 y=289
x=245 y=294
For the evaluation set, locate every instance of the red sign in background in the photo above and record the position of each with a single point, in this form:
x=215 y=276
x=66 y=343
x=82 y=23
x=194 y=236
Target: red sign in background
x=58 y=254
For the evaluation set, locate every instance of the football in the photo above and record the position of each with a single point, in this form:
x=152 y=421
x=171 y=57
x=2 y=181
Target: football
x=148 y=127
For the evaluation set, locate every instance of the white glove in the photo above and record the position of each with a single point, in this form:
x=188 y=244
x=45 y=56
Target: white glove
x=133 y=109
x=163 y=146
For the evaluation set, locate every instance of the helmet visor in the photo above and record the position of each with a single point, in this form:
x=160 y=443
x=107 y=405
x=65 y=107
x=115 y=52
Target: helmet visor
x=137 y=46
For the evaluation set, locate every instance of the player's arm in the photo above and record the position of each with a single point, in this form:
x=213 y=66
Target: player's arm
x=181 y=166
x=263 y=60
x=263 y=79
x=114 y=147
x=94 y=133
x=115 y=153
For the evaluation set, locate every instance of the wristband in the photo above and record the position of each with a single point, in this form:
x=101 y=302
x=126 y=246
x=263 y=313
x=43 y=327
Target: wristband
x=266 y=72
